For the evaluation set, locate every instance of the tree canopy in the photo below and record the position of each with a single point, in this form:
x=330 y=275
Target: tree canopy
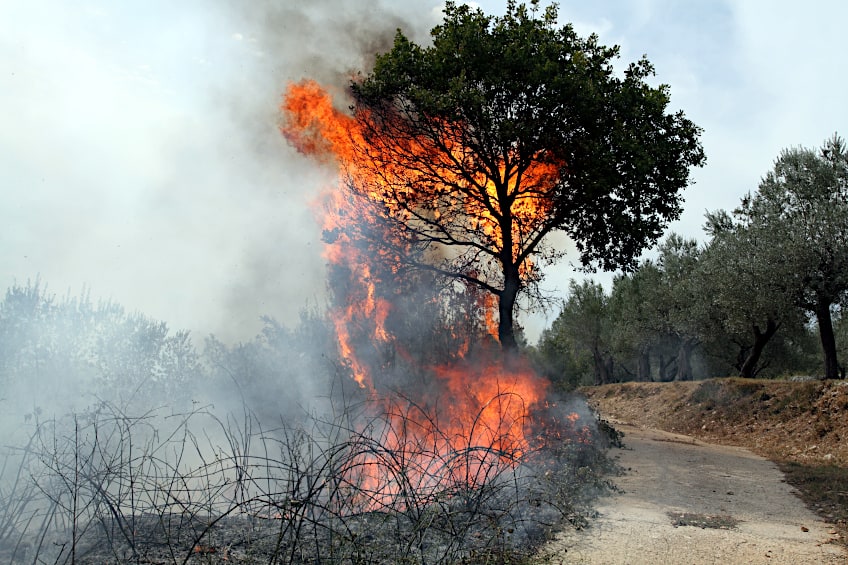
x=475 y=148
x=694 y=311
x=800 y=213
x=744 y=301
x=747 y=296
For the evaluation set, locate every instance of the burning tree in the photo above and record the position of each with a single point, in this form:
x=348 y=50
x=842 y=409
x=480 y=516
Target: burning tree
x=470 y=152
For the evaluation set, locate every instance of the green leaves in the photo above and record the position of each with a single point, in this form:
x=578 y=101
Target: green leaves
x=492 y=98
x=787 y=244
x=802 y=208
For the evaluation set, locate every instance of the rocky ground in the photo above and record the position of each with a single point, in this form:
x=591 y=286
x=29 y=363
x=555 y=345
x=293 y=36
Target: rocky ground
x=801 y=422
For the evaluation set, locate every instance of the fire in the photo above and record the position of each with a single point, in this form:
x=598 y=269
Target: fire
x=477 y=428
x=479 y=417
x=500 y=401
x=437 y=174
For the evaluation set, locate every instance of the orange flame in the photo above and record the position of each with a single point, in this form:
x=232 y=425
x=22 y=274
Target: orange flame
x=391 y=172
x=483 y=409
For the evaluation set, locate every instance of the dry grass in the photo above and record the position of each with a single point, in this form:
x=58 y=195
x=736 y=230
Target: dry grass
x=823 y=487
x=105 y=486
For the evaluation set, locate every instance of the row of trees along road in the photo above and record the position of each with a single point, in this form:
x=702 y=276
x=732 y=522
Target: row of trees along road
x=749 y=301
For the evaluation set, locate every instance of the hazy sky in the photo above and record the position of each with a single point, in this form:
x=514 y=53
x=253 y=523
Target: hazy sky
x=139 y=152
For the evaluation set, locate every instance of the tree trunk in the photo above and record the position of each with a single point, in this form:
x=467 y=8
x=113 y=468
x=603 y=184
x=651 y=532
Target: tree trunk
x=643 y=365
x=665 y=374
x=741 y=356
x=684 y=362
x=602 y=375
x=506 y=307
x=828 y=341
x=748 y=370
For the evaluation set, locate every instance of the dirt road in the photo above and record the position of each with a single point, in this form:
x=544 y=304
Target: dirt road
x=685 y=501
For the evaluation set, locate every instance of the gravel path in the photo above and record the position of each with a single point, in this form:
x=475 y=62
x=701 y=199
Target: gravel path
x=685 y=501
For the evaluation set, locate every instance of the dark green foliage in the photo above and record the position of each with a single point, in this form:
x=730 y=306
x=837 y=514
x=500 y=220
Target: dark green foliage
x=648 y=327
x=560 y=362
x=635 y=335
x=747 y=302
x=686 y=314
x=575 y=350
x=840 y=330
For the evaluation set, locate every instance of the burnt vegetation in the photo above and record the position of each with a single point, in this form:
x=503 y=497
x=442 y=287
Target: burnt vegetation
x=263 y=451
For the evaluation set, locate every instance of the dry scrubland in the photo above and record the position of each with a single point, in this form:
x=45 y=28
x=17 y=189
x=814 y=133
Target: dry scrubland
x=802 y=426
x=106 y=486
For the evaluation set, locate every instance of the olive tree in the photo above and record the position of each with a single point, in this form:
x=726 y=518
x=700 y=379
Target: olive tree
x=584 y=323
x=750 y=299
x=800 y=211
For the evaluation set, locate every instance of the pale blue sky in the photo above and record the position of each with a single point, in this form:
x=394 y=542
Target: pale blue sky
x=139 y=154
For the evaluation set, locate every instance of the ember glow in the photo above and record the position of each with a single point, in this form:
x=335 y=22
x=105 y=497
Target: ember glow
x=476 y=414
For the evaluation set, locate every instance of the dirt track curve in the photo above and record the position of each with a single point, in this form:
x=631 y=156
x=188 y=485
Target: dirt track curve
x=685 y=501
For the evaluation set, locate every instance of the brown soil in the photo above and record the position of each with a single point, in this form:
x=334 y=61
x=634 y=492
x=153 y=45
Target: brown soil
x=803 y=422
x=686 y=499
